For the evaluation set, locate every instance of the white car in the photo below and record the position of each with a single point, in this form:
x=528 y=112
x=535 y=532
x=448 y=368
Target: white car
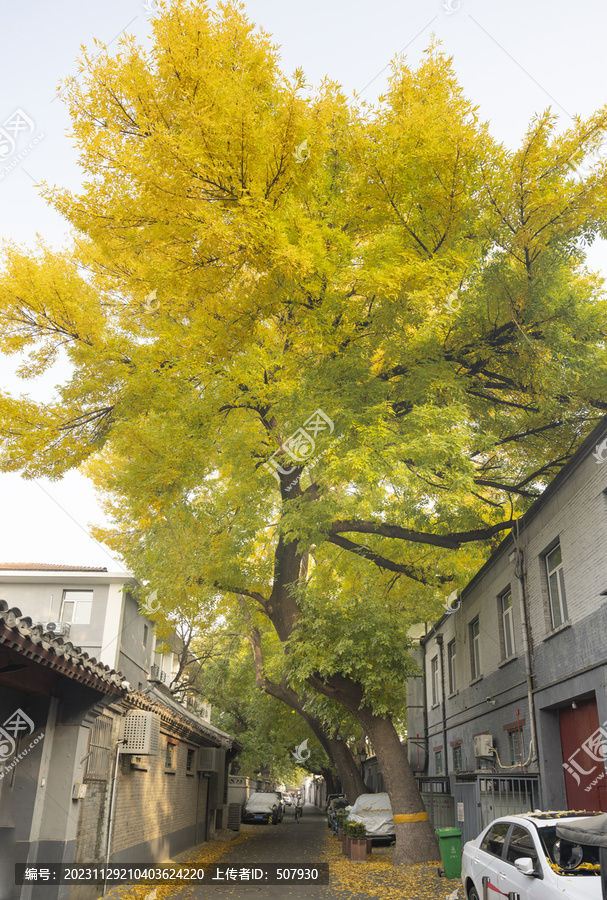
x=520 y=856
x=375 y=810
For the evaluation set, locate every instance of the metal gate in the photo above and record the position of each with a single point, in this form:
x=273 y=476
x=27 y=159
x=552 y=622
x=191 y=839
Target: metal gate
x=503 y=796
x=484 y=798
x=467 y=809
x=436 y=794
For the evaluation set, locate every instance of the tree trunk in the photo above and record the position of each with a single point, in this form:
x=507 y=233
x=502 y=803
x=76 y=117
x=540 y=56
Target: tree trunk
x=340 y=754
x=332 y=788
x=415 y=838
x=338 y=751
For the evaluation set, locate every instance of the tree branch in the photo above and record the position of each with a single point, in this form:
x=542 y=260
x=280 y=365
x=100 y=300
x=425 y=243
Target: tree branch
x=383 y=563
x=449 y=541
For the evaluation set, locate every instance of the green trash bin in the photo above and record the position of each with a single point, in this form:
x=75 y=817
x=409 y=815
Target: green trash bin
x=450 y=846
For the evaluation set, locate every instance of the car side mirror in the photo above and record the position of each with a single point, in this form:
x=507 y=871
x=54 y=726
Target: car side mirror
x=525 y=865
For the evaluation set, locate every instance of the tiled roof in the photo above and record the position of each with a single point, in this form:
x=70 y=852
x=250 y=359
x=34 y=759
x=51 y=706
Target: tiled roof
x=47 y=567
x=20 y=635
x=160 y=700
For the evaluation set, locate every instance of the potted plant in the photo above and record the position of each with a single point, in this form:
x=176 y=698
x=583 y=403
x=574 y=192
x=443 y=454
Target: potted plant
x=345 y=841
x=341 y=819
x=357 y=835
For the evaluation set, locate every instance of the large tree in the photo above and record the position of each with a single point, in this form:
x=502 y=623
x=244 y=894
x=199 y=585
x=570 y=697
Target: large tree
x=336 y=348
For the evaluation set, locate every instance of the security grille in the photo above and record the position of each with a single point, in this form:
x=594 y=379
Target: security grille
x=99 y=759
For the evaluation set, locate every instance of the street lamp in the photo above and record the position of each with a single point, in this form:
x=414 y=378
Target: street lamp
x=363 y=757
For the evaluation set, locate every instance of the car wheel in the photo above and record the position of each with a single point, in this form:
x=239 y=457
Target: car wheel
x=472 y=895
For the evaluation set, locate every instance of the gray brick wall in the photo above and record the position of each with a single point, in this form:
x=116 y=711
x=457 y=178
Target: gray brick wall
x=155 y=810
x=567 y=662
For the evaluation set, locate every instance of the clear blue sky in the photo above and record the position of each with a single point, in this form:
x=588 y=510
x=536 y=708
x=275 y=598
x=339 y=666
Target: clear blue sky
x=513 y=58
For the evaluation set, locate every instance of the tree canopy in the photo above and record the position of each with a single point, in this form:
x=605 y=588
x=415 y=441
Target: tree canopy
x=323 y=352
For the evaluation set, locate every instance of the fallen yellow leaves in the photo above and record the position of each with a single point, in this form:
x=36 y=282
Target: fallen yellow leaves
x=379 y=878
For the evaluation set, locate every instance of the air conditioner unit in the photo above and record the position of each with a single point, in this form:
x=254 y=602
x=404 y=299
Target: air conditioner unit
x=140 y=731
x=208 y=759
x=483 y=746
x=58 y=628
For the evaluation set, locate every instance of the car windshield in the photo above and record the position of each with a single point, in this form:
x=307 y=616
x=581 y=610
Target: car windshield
x=566 y=858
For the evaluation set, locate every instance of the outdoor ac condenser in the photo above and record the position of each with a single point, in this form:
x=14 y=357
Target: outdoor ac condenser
x=140 y=731
x=59 y=628
x=208 y=759
x=483 y=746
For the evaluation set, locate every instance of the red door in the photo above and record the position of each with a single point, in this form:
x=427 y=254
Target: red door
x=584 y=746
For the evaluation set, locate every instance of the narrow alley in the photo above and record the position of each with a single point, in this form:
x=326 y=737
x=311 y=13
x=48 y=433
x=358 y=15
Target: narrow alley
x=305 y=843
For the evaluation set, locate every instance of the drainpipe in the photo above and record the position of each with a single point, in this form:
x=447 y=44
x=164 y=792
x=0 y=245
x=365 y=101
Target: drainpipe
x=111 y=814
x=519 y=571
x=439 y=640
x=425 y=710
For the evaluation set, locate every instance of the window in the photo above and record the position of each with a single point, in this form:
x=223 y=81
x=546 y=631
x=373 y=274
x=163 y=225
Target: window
x=438 y=762
x=100 y=750
x=76 y=607
x=507 y=625
x=189 y=763
x=475 y=649
x=170 y=755
x=515 y=752
x=435 y=693
x=521 y=845
x=493 y=842
x=457 y=758
x=145 y=635
x=556 y=586
x=451 y=666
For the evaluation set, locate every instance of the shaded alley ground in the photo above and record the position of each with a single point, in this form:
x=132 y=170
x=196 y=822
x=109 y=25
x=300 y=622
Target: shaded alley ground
x=306 y=842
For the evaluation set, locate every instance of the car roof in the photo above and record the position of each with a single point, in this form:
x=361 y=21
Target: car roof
x=543 y=819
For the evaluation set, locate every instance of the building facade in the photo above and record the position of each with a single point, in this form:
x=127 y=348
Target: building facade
x=71 y=790
x=511 y=709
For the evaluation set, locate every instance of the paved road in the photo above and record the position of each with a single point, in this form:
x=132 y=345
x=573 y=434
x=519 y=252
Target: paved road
x=288 y=843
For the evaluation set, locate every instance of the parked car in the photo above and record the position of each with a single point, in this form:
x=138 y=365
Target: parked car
x=263 y=807
x=521 y=855
x=375 y=810
x=332 y=797
x=337 y=804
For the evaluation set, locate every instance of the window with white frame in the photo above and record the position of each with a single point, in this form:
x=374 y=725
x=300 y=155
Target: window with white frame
x=507 y=624
x=556 y=586
x=434 y=680
x=438 y=762
x=76 y=607
x=475 y=649
x=516 y=747
x=451 y=666
x=457 y=758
